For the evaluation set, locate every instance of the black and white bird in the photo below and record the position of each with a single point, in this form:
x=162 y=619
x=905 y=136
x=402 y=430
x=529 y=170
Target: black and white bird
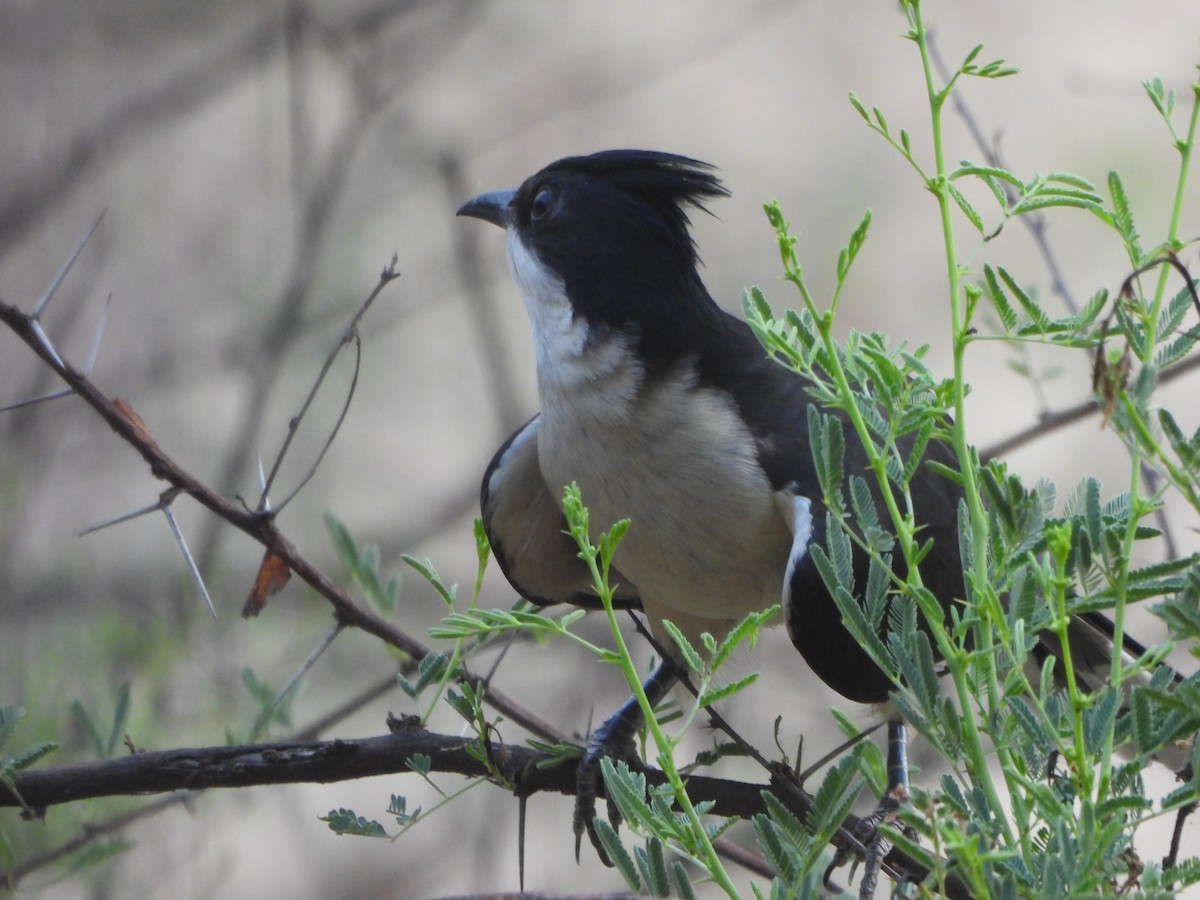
x=666 y=410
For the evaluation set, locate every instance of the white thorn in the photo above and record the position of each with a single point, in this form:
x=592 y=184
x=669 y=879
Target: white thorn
x=41 y=304
x=95 y=351
x=123 y=518
x=187 y=555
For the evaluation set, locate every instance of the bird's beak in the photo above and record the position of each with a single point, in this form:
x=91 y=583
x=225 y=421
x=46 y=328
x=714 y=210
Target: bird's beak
x=494 y=207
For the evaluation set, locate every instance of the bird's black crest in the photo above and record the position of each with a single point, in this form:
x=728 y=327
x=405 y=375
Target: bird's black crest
x=666 y=182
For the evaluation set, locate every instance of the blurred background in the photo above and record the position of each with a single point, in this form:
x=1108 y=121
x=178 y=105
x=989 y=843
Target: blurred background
x=258 y=164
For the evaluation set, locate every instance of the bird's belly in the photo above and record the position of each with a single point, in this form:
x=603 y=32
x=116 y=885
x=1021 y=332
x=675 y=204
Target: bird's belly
x=706 y=544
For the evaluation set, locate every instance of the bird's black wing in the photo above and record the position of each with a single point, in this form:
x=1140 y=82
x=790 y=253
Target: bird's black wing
x=527 y=531
x=774 y=404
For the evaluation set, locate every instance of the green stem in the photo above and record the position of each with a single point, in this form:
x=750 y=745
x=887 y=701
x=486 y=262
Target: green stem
x=665 y=746
x=1186 y=147
x=939 y=185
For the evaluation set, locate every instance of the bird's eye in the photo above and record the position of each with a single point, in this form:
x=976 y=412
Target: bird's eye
x=541 y=204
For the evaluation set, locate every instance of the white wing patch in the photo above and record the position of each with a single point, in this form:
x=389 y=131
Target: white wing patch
x=797 y=512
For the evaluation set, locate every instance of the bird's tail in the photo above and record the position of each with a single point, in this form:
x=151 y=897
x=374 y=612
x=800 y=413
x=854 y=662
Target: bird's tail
x=1090 y=638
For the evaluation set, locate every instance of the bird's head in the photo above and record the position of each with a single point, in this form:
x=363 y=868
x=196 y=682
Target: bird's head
x=608 y=234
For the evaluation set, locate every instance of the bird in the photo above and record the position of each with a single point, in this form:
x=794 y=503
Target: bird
x=665 y=410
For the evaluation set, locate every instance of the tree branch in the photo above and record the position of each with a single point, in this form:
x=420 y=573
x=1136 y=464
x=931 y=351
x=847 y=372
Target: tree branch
x=258 y=525
x=514 y=767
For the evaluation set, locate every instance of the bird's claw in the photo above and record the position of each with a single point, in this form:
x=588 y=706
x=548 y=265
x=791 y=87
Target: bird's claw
x=613 y=739
x=869 y=842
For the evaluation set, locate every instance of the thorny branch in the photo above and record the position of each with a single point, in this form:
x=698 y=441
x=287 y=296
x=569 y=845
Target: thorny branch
x=517 y=768
x=259 y=525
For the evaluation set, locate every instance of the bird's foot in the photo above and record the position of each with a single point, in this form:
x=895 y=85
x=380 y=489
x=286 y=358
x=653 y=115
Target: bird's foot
x=870 y=843
x=613 y=739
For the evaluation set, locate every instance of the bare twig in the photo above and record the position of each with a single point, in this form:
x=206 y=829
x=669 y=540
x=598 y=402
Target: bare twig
x=350 y=335
x=264 y=717
x=89 y=833
x=94 y=831
x=1070 y=415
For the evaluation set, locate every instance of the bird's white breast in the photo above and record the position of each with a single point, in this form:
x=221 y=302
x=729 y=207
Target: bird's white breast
x=707 y=543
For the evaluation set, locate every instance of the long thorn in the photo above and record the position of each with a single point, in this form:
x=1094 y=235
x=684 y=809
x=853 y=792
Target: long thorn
x=44 y=339
x=187 y=555
x=41 y=304
x=125 y=517
x=95 y=351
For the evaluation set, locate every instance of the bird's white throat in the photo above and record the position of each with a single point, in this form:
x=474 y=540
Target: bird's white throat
x=596 y=378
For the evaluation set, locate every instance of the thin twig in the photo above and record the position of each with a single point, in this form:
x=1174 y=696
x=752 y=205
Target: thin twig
x=264 y=717
x=350 y=335
x=89 y=833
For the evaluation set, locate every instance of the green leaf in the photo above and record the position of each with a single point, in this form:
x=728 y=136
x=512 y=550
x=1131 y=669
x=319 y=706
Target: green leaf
x=713 y=695
x=426 y=570
x=398 y=807
x=1076 y=181
x=27 y=758
x=858 y=105
x=616 y=852
x=1035 y=313
x=746 y=630
x=627 y=789
x=343 y=543
x=1123 y=220
x=784 y=818
x=690 y=656
x=680 y=882
x=851 y=610
x=989 y=175
x=120 y=718
x=9 y=717
x=779 y=851
x=1008 y=316
x=653 y=867
x=829 y=450
x=421 y=763
x=848 y=254
x=967 y=209
x=837 y=793
x=1162 y=98
x=1176 y=349
x=1174 y=311
x=85 y=723
x=346 y=821
x=1099 y=719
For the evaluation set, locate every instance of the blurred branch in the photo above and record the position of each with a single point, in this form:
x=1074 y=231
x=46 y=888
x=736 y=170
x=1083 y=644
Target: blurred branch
x=319 y=183
x=90 y=832
x=1061 y=419
x=93 y=831
x=35 y=193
